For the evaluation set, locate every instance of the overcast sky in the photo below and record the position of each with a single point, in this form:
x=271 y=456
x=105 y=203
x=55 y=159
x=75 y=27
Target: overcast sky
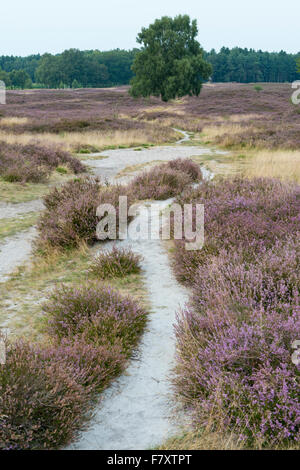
x=32 y=26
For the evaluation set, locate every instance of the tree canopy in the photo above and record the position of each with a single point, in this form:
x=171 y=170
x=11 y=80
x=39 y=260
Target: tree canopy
x=94 y=68
x=248 y=65
x=170 y=63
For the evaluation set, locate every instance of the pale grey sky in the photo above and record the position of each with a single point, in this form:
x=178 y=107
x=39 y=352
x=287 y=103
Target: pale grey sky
x=32 y=26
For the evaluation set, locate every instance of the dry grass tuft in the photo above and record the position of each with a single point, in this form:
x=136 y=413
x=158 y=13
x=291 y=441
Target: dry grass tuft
x=281 y=164
x=74 y=141
x=13 y=121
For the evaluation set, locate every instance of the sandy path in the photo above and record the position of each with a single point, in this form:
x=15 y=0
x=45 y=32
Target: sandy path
x=14 y=251
x=135 y=412
x=118 y=160
x=8 y=210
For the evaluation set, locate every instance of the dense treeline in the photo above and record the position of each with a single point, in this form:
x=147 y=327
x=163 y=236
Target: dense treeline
x=247 y=65
x=74 y=68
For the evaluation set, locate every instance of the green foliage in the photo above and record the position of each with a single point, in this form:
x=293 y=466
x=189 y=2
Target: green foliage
x=258 y=88
x=171 y=62
x=247 y=65
x=4 y=77
x=76 y=84
x=76 y=68
x=96 y=68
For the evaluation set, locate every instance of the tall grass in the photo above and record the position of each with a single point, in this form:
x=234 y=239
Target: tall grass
x=273 y=164
x=74 y=141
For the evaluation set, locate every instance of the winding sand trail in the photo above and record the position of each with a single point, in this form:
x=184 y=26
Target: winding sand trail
x=119 y=159
x=9 y=210
x=136 y=411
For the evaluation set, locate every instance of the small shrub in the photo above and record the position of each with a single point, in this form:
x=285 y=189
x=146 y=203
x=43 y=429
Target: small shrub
x=97 y=313
x=46 y=393
x=70 y=215
x=34 y=162
x=22 y=171
x=41 y=404
x=237 y=332
x=250 y=214
x=187 y=166
x=116 y=263
x=166 y=180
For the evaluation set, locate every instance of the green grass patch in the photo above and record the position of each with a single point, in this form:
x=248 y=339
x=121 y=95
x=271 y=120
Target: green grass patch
x=24 y=192
x=11 y=226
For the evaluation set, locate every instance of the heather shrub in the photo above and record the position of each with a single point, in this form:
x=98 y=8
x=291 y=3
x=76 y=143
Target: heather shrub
x=98 y=314
x=51 y=156
x=22 y=171
x=115 y=263
x=46 y=393
x=234 y=339
x=187 y=166
x=241 y=374
x=270 y=280
x=70 y=215
x=33 y=162
x=41 y=403
x=250 y=214
x=237 y=333
x=166 y=180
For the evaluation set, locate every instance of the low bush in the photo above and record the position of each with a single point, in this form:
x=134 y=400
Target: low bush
x=238 y=332
x=46 y=393
x=34 y=162
x=97 y=313
x=166 y=180
x=187 y=166
x=70 y=215
x=251 y=214
x=41 y=404
x=115 y=263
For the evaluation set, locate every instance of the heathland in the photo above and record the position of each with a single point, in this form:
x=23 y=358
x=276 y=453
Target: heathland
x=76 y=317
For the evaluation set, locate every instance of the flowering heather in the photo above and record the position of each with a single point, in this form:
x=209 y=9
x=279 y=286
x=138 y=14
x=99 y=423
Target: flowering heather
x=187 y=166
x=98 y=314
x=251 y=214
x=266 y=119
x=166 y=180
x=41 y=404
x=115 y=263
x=70 y=215
x=33 y=162
x=234 y=339
x=46 y=393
